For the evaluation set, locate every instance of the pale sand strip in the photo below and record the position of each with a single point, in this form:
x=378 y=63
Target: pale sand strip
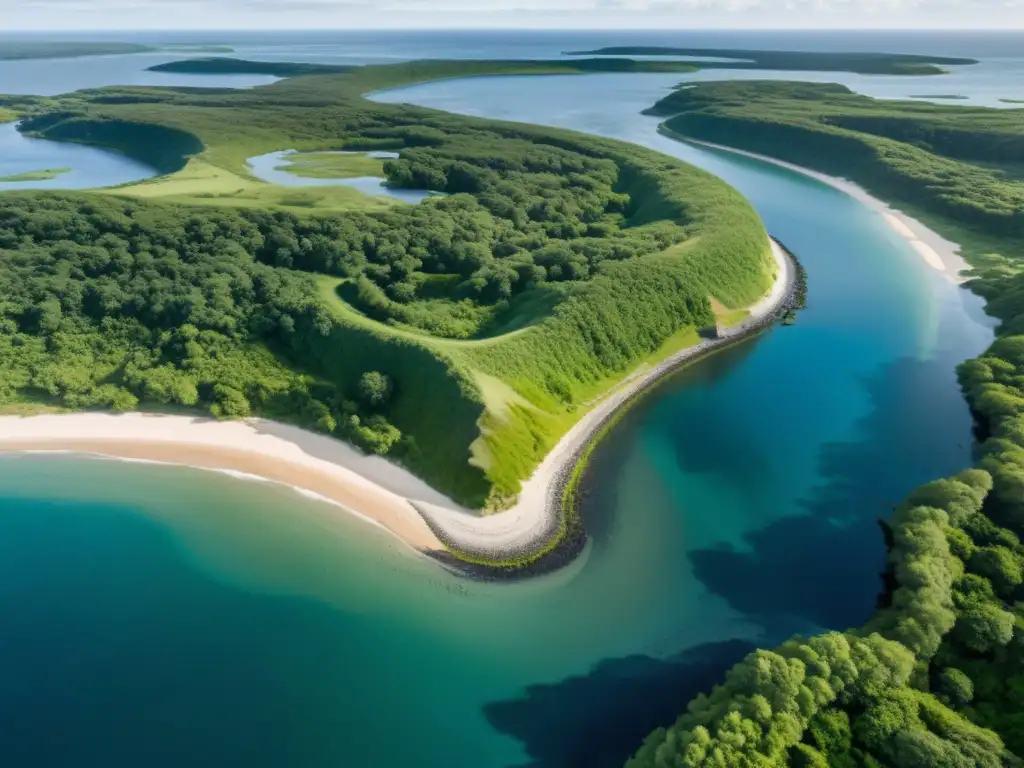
x=277 y=452
x=940 y=254
x=368 y=486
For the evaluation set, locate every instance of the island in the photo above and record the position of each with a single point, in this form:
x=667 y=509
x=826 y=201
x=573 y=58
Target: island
x=807 y=61
x=15 y=50
x=479 y=340
x=421 y=71
x=933 y=677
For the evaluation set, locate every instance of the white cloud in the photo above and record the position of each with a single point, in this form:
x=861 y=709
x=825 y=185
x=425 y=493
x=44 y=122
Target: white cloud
x=322 y=14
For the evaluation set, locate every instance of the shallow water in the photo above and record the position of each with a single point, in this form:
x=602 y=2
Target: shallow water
x=161 y=616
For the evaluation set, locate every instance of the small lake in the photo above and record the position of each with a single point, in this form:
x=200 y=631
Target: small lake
x=268 y=168
x=90 y=166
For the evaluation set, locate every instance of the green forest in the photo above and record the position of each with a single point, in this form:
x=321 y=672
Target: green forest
x=936 y=677
x=461 y=336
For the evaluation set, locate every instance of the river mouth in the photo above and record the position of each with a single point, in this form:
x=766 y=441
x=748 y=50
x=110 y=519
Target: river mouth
x=27 y=162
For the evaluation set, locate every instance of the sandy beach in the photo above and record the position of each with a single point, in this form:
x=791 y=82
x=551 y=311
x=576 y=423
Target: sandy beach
x=940 y=254
x=369 y=487
x=373 y=488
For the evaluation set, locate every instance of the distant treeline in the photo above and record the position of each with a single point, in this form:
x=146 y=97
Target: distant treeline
x=807 y=61
x=30 y=49
x=218 y=65
x=936 y=678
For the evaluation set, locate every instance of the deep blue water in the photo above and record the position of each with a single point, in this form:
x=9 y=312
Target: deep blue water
x=163 y=616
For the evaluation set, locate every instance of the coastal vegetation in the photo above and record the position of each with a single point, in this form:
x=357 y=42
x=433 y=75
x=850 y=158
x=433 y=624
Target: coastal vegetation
x=807 y=61
x=934 y=678
x=41 y=175
x=554 y=264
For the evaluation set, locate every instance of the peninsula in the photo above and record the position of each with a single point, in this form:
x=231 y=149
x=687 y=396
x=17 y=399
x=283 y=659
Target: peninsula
x=463 y=337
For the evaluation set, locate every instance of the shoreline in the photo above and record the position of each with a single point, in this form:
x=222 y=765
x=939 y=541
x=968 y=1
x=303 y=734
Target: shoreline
x=370 y=487
x=938 y=253
x=255 y=449
x=525 y=530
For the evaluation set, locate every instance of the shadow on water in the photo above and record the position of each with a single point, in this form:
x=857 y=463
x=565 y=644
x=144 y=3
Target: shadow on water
x=600 y=498
x=599 y=719
x=821 y=568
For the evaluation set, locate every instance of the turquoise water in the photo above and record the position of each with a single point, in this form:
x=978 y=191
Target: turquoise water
x=161 y=616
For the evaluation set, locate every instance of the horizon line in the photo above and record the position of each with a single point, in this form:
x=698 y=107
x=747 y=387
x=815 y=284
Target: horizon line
x=551 y=29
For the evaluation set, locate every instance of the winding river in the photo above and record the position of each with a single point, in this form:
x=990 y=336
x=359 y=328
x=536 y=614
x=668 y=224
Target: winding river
x=736 y=505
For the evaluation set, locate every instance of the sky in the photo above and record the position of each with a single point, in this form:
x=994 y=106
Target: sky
x=605 y=14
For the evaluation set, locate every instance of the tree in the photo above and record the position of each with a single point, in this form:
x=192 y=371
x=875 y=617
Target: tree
x=1002 y=567
x=955 y=687
x=375 y=389
x=229 y=403
x=984 y=628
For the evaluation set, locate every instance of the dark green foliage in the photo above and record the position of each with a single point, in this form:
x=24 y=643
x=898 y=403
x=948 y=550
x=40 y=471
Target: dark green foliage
x=955 y=686
x=109 y=304
x=217 y=65
x=375 y=389
x=222 y=65
x=166 y=149
x=807 y=61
